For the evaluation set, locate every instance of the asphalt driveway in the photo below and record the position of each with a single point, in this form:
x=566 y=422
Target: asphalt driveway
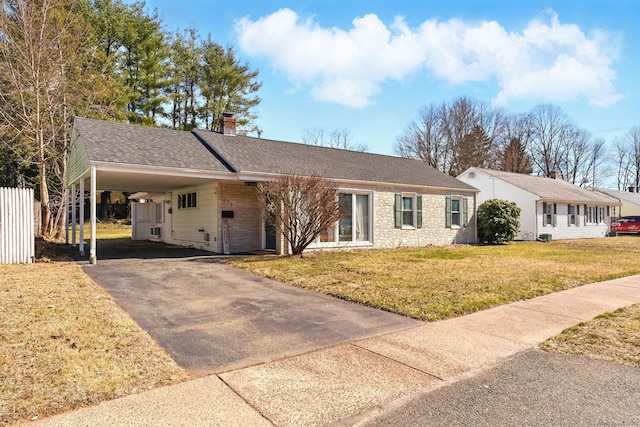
x=213 y=318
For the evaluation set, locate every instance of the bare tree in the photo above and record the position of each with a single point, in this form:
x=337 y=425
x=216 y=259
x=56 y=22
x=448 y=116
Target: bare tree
x=452 y=137
x=299 y=207
x=580 y=157
x=50 y=71
x=423 y=139
x=628 y=163
x=336 y=138
x=548 y=126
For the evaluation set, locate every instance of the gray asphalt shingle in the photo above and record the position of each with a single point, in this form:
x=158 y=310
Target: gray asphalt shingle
x=144 y=146
x=211 y=151
x=551 y=189
x=247 y=154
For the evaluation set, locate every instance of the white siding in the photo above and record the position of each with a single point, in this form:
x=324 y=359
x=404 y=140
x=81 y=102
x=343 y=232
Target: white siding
x=563 y=230
x=494 y=188
x=191 y=226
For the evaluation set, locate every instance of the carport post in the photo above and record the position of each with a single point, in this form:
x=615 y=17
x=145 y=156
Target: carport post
x=81 y=225
x=92 y=247
x=74 y=218
x=66 y=218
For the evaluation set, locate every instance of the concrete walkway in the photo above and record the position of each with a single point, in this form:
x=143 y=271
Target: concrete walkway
x=390 y=378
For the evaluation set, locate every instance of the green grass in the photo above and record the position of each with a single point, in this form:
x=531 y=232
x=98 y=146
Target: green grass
x=107 y=230
x=438 y=283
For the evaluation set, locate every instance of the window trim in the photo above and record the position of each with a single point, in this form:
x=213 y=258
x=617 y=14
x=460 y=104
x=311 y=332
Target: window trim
x=551 y=220
x=188 y=200
x=412 y=197
x=463 y=210
x=573 y=219
x=416 y=209
x=336 y=242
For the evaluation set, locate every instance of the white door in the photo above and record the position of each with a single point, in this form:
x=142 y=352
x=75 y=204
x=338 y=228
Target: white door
x=141 y=220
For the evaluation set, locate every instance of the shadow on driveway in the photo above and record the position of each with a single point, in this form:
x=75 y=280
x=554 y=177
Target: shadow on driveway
x=212 y=317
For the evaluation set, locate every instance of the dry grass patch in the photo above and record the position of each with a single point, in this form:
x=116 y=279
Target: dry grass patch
x=437 y=283
x=613 y=337
x=65 y=344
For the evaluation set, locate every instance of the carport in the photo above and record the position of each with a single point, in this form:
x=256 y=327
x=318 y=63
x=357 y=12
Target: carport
x=135 y=159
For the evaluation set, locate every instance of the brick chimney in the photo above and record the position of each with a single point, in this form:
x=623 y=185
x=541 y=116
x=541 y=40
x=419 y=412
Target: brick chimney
x=633 y=189
x=553 y=174
x=228 y=124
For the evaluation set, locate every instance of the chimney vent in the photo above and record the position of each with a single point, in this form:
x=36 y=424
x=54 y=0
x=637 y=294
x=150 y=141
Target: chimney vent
x=228 y=124
x=553 y=174
x=633 y=189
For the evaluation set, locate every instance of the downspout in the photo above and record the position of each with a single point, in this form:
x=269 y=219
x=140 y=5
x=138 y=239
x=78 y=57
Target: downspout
x=535 y=236
x=475 y=216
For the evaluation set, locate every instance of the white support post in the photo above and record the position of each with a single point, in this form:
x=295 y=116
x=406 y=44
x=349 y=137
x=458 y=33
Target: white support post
x=81 y=225
x=66 y=218
x=74 y=219
x=92 y=247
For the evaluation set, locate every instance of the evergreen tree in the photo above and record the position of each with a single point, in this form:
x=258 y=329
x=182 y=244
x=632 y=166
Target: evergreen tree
x=514 y=158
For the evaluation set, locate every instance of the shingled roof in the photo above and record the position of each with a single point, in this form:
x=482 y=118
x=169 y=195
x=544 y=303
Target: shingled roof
x=551 y=189
x=244 y=155
x=626 y=196
x=126 y=144
x=255 y=155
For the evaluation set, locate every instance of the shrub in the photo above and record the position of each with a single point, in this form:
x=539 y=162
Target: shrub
x=498 y=221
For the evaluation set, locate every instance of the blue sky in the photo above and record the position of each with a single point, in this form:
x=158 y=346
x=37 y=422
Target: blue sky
x=368 y=66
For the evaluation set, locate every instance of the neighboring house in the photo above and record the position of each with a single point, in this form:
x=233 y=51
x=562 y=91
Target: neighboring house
x=201 y=187
x=629 y=201
x=548 y=206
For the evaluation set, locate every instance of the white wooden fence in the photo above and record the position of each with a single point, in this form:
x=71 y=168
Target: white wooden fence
x=16 y=226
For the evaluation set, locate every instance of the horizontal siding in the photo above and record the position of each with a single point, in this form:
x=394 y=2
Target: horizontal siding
x=564 y=231
x=188 y=227
x=78 y=162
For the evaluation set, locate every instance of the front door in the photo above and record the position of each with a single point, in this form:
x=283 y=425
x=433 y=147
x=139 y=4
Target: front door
x=269 y=235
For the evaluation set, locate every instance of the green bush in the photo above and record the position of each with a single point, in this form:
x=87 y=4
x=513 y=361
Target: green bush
x=498 y=221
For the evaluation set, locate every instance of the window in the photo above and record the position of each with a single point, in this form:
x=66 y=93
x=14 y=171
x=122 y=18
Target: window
x=187 y=200
x=601 y=216
x=456 y=212
x=408 y=210
x=159 y=213
x=549 y=212
x=355 y=224
x=591 y=214
x=345 y=226
x=573 y=215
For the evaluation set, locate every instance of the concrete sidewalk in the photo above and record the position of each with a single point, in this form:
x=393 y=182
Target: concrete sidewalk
x=361 y=381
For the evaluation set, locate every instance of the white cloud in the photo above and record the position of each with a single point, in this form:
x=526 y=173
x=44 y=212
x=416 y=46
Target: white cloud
x=547 y=60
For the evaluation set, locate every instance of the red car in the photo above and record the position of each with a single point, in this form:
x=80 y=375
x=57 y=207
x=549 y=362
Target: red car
x=626 y=224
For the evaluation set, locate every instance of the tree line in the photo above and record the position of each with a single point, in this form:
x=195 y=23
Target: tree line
x=103 y=59
x=466 y=132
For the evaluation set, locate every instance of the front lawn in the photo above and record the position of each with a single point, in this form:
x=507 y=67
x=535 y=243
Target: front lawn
x=614 y=337
x=64 y=344
x=436 y=283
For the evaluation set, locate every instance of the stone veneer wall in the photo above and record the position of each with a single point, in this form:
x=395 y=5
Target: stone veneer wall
x=433 y=231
